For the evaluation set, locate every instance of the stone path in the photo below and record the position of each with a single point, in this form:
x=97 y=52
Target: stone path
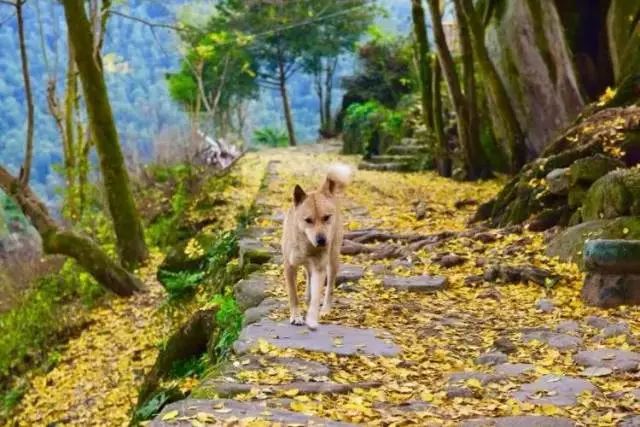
x=433 y=323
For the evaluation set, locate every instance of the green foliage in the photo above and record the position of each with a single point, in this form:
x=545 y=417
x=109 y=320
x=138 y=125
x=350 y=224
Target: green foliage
x=193 y=367
x=271 y=137
x=180 y=284
x=43 y=317
x=154 y=404
x=370 y=127
x=11 y=398
x=229 y=322
x=385 y=72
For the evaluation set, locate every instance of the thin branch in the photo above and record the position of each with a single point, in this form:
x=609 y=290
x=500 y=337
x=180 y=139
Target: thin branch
x=25 y=172
x=146 y=22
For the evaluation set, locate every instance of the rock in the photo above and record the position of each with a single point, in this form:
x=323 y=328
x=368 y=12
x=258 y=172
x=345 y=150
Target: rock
x=588 y=170
x=576 y=197
x=556 y=390
x=520 y=421
x=483 y=378
x=300 y=369
x=252 y=251
x=504 y=345
x=568 y=327
x=453 y=392
x=421 y=211
x=514 y=369
x=491 y=293
x=618 y=360
x=451 y=260
x=349 y=273
x=609 y=290
x=552 y=339
x=612 y=256
x=251 y=291
x=463 y=203
x=616 y=329
x=520 y=274
x=220 y=410
x=630 y=421
x=255 y=314
x=569 y=245
x=597 y=322
x=545 y=305
x=424 y=283
x=558 y=181
x=473 y=280
x=328 y=338
x=378 y=269
x=614 y=195
x=347 y=287
x=491 y=359
x=231 y=389
x=278 y=217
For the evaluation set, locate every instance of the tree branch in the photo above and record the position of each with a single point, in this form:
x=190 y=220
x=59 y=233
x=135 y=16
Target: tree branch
x=25 y=172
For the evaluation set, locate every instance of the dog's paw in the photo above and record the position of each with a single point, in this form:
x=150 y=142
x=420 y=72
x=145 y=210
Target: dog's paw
x=325 y=310
x=312 y=324
x=296 y=320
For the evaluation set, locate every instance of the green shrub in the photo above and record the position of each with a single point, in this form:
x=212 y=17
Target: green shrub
x=229 y=322
x=43 y=317
x=369 y=128
x=180 y=284
x=271 y=137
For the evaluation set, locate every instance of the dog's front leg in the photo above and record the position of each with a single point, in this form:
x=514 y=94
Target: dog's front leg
x=307 y=288
x=332 y=270
x=318 y=277
x=290 y=278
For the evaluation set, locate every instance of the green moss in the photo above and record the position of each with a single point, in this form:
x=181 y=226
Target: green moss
x=607 y=198
x=588 y=170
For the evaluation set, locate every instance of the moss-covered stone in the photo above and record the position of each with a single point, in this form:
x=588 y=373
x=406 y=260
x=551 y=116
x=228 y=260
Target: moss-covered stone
x=590 y=169
x=615 y=194
x=569 y=245
x=615 y=256
x=576 y=196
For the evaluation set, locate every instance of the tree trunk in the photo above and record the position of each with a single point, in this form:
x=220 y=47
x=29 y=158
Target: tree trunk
x=422 y=47
x=285 y=104
x=495 y=88
x=56 y=240
x=317 y=80
x=470 y=153
x=328 y=88
x=443 y=158
x=126 y=220
x=25 y=173
x=469 y=79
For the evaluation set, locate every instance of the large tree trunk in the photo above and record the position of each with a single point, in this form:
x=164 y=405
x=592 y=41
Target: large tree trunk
x=126 y=220
x=443 y=158
x=285 y=104
x=493 y=84
x=422 y=47
x=472 y=155
x=56 y=240
x=469 y=79
x=328 y=88
x=25 y=173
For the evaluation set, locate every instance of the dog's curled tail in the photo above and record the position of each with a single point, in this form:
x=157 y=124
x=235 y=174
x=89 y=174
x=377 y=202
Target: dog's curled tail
x=340 y=174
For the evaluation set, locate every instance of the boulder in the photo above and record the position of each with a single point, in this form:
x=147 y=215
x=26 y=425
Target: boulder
x=611 y=290
x=558 y=181
x=588 y=170
x=569 y=244
x=614 y=256
x=614 y=195
x=492 y=359
x=252 y=251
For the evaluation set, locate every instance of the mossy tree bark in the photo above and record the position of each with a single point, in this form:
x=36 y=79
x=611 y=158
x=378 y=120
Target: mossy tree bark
x=25 y=172
x=473 y=157
x=126 y=220
x=493 y=84
x=57 y=240
x=422 y=48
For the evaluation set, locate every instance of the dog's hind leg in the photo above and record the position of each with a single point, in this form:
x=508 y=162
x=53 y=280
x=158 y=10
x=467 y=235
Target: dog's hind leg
x=290 y=278
x=318 y=277
x=332 y=271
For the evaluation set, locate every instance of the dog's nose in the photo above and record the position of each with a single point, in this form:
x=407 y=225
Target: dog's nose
x=321 y=240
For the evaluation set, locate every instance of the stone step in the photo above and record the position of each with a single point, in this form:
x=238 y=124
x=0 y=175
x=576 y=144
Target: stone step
x=388 y=158
x=389 y=167
x=406 y=149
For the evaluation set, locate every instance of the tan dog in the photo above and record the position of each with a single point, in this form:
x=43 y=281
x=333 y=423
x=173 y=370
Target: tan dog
x=312 y=238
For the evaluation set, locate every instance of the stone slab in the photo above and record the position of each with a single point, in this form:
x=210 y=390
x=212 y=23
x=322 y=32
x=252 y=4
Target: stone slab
x=520 y=421
x=220 y=410
x=328 y=338
x=556 y=340
x=349 y=273
x=424 y=283
x=554 y=390
x=617 y=360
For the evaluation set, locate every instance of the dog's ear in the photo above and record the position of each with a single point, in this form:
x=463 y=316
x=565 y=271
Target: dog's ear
x=298 y=195
x=329 y=187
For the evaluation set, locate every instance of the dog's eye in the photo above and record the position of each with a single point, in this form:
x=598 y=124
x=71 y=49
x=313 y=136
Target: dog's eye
x=326 y=218
x=308 y=220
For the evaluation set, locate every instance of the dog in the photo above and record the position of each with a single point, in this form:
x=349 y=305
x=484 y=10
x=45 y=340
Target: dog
x=312 y=238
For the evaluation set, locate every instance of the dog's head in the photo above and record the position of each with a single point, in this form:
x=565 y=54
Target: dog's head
x=315 y=213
